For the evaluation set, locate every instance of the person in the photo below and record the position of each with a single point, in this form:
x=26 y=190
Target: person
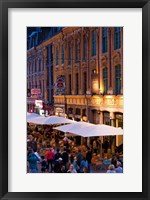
x=111 y=169
x=58 y=166
x=57 y=155
x=79 y=157
x=71 y=169
x=89 y=158
x=84 y=163
x=75 y=165
x=119 y=168
x=85 y=170
x=114 y=160
x=65 y=158
x=50 y=157
x=43 y=164
x=32 y=160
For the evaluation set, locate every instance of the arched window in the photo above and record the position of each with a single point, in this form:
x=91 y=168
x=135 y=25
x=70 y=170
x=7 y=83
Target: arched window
x=76 y=51
x=77 y=84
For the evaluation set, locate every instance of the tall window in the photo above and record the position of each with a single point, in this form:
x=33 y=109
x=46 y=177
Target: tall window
x=104 y=39
x=93 y=43
x=84 y=49
x=76 y=51
x=62 y=54
x=105 y=80
x=39 y=65
x=57 y=56
x=69 y=83
x=77 y=84
x=69 y=53
x=118 y=79
x=117 y=37
x=84 y=83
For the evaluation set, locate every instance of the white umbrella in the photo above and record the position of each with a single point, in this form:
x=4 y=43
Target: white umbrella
x=98 y=130
x=51 y=120
x=32 y=115
x=74 y=126
x=36 y=120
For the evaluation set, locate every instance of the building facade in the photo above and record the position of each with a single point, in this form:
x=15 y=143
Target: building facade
x=40 y=67
x=88 y=75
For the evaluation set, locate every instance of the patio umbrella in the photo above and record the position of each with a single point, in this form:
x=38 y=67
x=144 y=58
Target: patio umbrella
x=74 y=126
x=32 y=115
x=51 y=120
x=36 y=119
x=98 y=130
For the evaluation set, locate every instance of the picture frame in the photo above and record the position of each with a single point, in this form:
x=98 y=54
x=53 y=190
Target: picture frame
x=4 y=123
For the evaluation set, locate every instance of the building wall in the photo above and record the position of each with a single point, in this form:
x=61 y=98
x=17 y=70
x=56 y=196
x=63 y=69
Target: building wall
x=88 y=96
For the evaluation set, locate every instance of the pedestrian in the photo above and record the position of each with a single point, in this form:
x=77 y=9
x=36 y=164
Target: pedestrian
x=71 y=169
x=89 y=158
x=111 y=169
x=65 y=158
x=119 y=169
x=43 y=164
x=75 y=165
x=84 y=163
x=32 y=160
x=79 y=157
x=57 y=155
x=50 y=158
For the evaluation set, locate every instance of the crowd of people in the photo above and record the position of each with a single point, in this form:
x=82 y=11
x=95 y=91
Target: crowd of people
x=54 y=153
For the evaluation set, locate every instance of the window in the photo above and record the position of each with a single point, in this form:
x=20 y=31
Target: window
x=62 y=54
x=77 y=84
x=76 y=51
x=118 y=79
x=78 y=111
x=84 y=83
x=93 y=43
x=117 y=42
x=39 y=65
x=84 y=49
x=69 y=83
x=105 y=80
x=104 y=39
x=56 y=55
x=69 y=53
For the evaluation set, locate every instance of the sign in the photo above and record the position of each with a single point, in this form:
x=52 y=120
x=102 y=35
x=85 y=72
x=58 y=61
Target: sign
x=60 y=85
x=39 y=103
x=35 y=91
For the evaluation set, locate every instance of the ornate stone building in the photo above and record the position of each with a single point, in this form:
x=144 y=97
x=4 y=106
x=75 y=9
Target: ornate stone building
x=88 y=74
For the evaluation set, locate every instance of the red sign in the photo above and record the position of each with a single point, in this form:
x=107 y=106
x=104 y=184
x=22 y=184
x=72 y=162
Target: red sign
x=35 y=91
